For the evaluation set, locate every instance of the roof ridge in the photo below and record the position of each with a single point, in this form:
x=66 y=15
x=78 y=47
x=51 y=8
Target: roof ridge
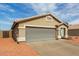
x=20 y=19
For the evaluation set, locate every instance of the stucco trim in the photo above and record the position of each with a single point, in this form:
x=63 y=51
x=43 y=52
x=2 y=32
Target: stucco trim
x=66 y=31
x=21 y=39
x=40 y=26
x=21 y=27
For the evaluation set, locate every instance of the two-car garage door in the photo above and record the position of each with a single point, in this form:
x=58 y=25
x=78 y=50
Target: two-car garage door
x=34 y=34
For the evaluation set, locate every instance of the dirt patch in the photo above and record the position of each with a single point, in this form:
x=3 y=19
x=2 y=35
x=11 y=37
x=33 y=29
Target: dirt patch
x=74 y=39
x=8 y=47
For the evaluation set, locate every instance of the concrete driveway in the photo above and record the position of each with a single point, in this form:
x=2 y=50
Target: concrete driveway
x=55 y=48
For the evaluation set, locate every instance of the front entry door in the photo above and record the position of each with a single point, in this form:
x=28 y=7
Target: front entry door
x=62 y=33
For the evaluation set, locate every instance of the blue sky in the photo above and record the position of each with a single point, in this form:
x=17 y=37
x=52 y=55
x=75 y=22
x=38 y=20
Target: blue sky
x=9 y=12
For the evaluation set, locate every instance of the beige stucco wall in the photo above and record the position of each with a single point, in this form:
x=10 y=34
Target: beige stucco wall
x=66 y=33
x=38 y=22
x=21 y=36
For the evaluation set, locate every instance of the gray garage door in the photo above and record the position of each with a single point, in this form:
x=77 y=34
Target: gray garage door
x=39 y=34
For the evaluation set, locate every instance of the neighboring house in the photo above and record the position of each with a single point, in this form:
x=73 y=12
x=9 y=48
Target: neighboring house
x=39 y=28
x=5 y=34
x=73 y=31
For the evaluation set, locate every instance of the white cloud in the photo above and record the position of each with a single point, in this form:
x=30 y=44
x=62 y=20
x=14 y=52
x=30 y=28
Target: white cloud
x=41 y=8
x=6 y=7
x=66 y=14
x=70 y=8
x=7 y=17
x=69 y=12
x=75 y=21
x=72 y=5
x=5 y=22
x=12 y=10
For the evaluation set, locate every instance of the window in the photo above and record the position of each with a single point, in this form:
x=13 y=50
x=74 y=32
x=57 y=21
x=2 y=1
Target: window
x=48 y=18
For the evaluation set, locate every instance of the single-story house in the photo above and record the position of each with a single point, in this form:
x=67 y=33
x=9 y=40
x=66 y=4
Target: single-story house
x=73 y=31
x=39 y=28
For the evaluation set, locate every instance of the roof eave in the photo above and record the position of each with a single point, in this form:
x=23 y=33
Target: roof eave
x=34 y=17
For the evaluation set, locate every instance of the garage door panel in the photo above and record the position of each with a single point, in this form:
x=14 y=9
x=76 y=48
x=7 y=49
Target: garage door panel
x=39 y=34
